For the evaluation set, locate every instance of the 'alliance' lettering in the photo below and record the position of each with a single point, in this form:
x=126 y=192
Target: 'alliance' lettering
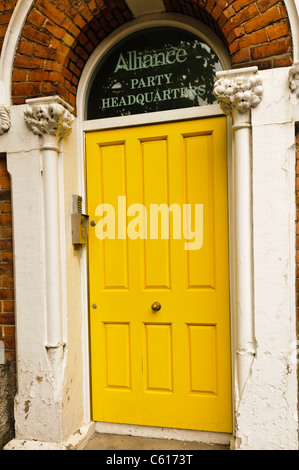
x=137 y=61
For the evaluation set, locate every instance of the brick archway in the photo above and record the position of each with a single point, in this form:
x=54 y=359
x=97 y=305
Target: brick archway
x=59 y=36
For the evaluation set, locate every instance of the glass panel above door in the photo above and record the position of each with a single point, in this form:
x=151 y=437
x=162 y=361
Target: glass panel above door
x=153 y=70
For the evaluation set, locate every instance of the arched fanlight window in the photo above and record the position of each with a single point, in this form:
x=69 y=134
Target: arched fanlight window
x=156 y=69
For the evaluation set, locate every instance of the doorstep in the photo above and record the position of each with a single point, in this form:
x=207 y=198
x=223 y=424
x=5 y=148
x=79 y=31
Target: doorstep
x=101 y=441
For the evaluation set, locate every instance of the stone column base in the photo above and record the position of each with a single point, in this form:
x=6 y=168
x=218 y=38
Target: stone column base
x=76 y=442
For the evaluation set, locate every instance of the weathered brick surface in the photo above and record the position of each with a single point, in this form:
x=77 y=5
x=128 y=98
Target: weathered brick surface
x=56 y=42
x=7 y=390
x=7 y=318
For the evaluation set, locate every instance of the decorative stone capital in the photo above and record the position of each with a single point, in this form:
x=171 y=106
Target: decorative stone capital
x=294 y=79
x=239 y=90
x=5 y=121
x=49 y=116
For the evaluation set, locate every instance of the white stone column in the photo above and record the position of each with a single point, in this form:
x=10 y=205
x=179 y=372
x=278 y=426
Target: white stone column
x=51 y=119
x=238 y=92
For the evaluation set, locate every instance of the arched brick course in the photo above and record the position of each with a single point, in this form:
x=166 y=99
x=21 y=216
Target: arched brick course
x=256 y=32
x=56 y=41
x=59 y=36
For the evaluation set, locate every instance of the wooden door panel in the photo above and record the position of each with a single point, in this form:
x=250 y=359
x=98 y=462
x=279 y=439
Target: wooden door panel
x=168 y=368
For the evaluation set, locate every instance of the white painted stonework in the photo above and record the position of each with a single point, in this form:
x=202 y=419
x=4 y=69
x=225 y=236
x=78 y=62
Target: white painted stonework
x=264 y=253
x=5 y=121
x=52 y=406
x=267 y=414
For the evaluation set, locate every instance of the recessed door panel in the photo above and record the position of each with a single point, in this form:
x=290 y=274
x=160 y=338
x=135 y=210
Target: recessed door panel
x=158 y=358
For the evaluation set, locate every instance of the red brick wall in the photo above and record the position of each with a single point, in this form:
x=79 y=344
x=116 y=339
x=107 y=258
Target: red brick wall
x=7 y=318
x=60 y=35
x=256 y=32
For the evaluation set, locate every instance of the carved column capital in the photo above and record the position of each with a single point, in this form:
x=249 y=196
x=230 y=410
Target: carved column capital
x=5 y=121
x=239 y=90
x=49 y=117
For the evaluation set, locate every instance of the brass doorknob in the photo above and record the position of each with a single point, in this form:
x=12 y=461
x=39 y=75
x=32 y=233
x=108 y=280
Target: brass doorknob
x=156 y=306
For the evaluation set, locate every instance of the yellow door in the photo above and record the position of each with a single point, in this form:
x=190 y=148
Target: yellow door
x=167 y=367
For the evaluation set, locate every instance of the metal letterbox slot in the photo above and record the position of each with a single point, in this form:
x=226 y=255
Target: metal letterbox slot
x=79 y=222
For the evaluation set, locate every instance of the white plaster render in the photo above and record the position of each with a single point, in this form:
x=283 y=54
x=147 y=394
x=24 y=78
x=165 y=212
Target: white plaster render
x=264 y=163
